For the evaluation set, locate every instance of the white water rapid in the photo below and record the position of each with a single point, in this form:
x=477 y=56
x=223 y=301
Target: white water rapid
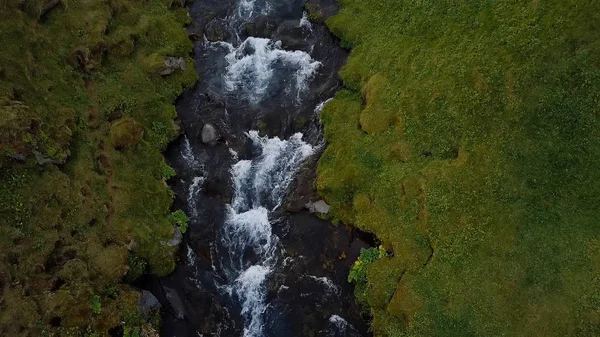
x=259 y=188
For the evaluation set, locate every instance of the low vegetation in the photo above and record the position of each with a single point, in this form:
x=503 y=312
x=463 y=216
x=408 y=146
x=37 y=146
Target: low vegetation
x=84 y=116
x=468 y=140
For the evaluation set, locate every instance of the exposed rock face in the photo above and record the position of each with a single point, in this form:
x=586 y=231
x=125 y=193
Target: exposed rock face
x=172 y=64
x=209 y=134
x=318 y=207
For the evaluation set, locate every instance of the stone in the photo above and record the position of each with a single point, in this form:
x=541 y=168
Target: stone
x=291 y=35
x=216 y=31
x=176 y=239
x=148 y=303
x=321 y=10
x=175 y=302
x=209 y=134
x=172 y=64
x=318 y=207
x=262 y=27
x=43 y=160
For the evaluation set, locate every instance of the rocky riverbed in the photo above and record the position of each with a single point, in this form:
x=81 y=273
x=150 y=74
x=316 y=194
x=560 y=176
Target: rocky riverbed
x=256 y=259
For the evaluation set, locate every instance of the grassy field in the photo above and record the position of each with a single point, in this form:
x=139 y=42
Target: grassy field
x=84 y=116
x=468 y=140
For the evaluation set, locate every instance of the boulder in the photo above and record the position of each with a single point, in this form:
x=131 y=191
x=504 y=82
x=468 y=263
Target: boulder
x=321 y=10
x=175 y=302
x=172 y=64
x=148 y=303
x=176 y=239
x=318 y=207
x=261 y=27
x=216 y=30
x=292 y=36
x=209 y=134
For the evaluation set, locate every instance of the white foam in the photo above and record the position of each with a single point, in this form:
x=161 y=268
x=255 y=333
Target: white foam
x=249 y=288
x=193 y=191
x=329 y=285
x=252 y=64
x=188 y=154
x=319 y=108
x=305 y=22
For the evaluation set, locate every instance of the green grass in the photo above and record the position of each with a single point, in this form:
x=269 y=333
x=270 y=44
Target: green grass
x=76 y=89
x=468 y=141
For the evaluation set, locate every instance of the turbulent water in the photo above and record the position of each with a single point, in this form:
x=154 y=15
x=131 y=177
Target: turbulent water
x=250 y=268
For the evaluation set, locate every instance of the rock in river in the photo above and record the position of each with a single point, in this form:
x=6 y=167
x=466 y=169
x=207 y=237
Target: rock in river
x=209 y=134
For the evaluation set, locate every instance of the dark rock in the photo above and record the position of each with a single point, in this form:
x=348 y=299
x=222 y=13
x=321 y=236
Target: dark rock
x=175 y=302
x=302 y=188
x=172 y=64
x=209 y=134
x=292 y=36
x=195 y=31
x=148 y=303
x=216 y=30
x=321 y=10
x=261 y=27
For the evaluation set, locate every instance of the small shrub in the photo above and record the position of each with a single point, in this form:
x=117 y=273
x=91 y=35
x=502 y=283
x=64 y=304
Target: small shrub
x=180 y=219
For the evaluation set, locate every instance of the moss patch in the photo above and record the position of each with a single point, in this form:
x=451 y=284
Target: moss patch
x=73 y=86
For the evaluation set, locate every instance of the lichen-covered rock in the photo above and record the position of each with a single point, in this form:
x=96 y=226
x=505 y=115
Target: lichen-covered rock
x=126 y=133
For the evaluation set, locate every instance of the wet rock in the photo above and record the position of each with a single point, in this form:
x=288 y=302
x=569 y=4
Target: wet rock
x=216 y=30
x=318 y=207
x=262 y=27
x=175 y=302
x=172 y=64
x=321 y=10
x=302 y=188
x=209 y=134
x=292 y=36
x=195 y=31
x=148 y=303
x=176 y=239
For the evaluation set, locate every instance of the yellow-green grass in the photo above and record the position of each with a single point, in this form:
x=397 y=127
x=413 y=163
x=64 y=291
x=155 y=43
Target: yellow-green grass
x=468 y=141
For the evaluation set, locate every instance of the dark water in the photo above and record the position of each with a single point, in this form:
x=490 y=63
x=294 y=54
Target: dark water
x=254 y=262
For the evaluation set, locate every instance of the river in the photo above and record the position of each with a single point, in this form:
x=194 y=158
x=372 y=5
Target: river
x=254 y=261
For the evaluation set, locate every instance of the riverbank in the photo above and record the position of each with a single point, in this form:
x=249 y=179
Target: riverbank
x=467 y=141
x=86 y=108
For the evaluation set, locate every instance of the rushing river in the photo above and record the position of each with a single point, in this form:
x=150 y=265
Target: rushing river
x=254 y=261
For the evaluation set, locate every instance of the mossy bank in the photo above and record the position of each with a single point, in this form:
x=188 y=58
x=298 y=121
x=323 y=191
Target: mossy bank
x=86 y=93
x=468 y=141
